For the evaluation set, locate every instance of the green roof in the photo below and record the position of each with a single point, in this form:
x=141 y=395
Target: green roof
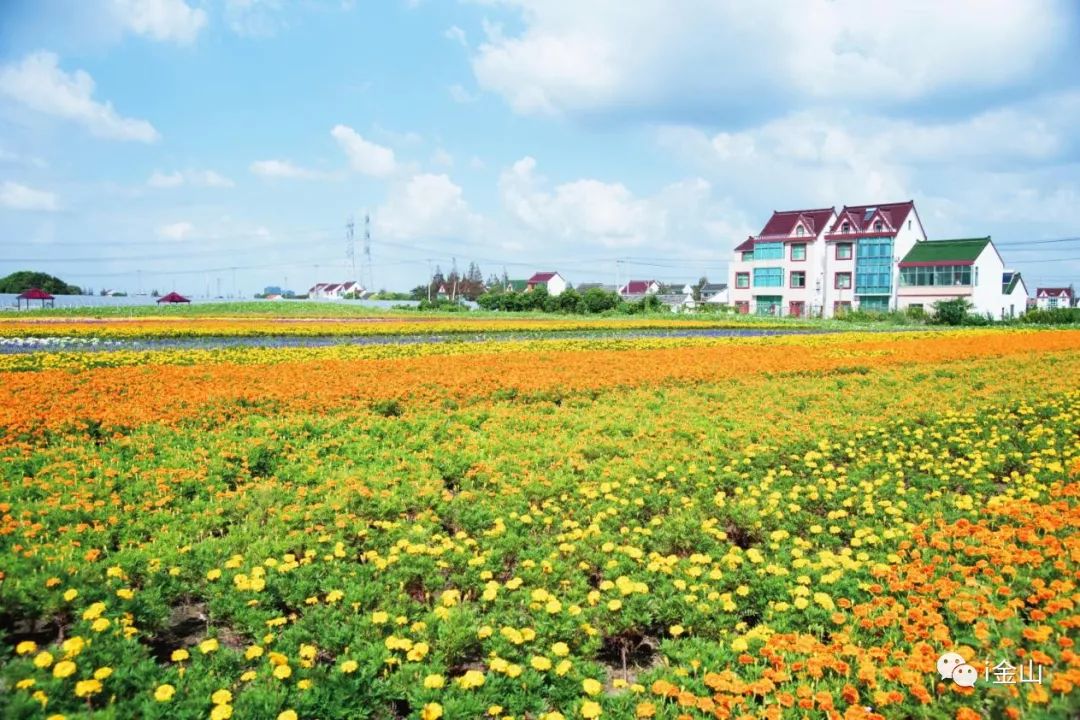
x=960 y=250
x=519 y=285
x=1008 y=288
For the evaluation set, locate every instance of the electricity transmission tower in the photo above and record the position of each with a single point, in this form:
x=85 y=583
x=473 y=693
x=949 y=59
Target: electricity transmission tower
x=370 y=279
x=350 y=248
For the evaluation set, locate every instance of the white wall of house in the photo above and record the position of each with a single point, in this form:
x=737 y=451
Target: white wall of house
x=830 y=267
x=987 y=295
x=1045 y=303
x=910 y=232
x=720 y=298
x=556 y=285
x=1015 y=303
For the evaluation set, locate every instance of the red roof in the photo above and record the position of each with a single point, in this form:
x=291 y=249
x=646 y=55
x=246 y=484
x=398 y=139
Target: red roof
x=637 y=287
x=746 y=245
x=173 y=297
x=1054 y=292
x=861 y=218
x=541 y=277
x=783 y=222
x=35 y=294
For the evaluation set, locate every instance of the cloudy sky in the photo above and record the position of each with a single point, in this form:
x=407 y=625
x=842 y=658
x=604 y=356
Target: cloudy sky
x=165 y=142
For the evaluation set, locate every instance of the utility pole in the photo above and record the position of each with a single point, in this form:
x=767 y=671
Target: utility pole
x=234 y=283
x=430 y=276
x=350 y=247
x=367 y=253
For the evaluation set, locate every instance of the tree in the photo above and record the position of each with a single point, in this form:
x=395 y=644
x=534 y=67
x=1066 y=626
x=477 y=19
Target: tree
x=951 y=312
x=596 y=300
x=23 y=280
x=701 y=283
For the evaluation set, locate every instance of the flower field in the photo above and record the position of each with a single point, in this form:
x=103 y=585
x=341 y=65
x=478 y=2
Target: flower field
x=777 y=527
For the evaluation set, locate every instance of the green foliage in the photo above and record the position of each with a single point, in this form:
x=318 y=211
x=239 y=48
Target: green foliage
x=951 y=312
x=1057 y=316
x=23 y=280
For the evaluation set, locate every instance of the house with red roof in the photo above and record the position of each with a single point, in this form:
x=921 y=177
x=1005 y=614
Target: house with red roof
x=637 y=289
x=780 y=270
x=1050 y=298
x=823 y=262
x=551 y=280
x=334 y=291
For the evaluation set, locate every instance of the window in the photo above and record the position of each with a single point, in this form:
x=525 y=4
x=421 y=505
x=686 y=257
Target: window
x=798 y=251
x=878 y=226
x=846 y=227
x=798 y=278
x=748 y=255
x=800 y=230
x=873 y=266
x=768 y=304
x=743 y=306
x=843 y=281
x=843 y=251
x=768 y=277
x=908 y=224
x=742 y=280
x=769 y=251
x=1053 y=303
x=975 y=277
x=935 y=276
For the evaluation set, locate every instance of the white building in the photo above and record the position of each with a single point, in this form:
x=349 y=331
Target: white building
x=716 y=293
x=864 y=247
x=969 y=268
x=780 y=271
x=637 y=289
x=335 y=291
x=553 y=281
x=1051 y=298
x=1015 y=291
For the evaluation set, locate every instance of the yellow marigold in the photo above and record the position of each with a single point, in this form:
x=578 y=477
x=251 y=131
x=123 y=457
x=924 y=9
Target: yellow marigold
x=94 y=611
x=25 y=683
x=26 y=647
x=379 y=617
x=560 y=649
x=614 y=605
x=213 y=574
x=100 y=625
x=208 y=646
x=125 y=593
x=221 y=712
x=164 y=693
x=70 y=594
x=563 y=667
x=676 y=630
x=282 y=672
x=253 y=652
x=248 y=676
x=103 y=672
x=418 y=652
x=553 y=715
x=43 y=659
x=63 y=669
x=349 y=666
x=221 y=697
x=434 y=682
x=590 y=709
x=645 y=710
x=287 y=715
x=86 y=688
x=540 y=663
x=592 y=687
x=471 y=679
x=180 y=655
x=431 y=711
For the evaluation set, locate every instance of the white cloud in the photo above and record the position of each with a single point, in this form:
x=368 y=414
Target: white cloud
x=176 y=231
x=427 y=206
x=20 y=197
x=711 y=56
x=284 y=169
x=457 y=35
x=197 y=178
x=39 y=84
x=253 y=18
x=364 y=156
x=459 y=94
x=591 y=213
x=163 y=20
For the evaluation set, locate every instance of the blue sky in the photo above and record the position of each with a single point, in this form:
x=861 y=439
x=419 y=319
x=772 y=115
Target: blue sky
x=164 y=142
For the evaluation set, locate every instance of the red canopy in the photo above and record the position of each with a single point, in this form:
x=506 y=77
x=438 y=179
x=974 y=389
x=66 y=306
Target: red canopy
x=35 y=294
x=173 y=297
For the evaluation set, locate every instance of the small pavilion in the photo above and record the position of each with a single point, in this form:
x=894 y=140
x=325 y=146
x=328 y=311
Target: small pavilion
x=32 y=294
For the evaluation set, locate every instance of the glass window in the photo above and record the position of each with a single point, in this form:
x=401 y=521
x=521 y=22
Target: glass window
x=798 y=278
x=742 y=280
x=843 y=251
x=843 y=280
x=800 y=231
x=846 y=227
x=941 y=275
x=769 y=251
x=878 y=227
x=798 y=251
x=747 y=255
x=768 y=277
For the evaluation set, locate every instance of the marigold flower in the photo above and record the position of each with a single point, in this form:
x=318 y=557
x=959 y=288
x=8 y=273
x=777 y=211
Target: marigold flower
x=349 y=666
x=591 y=709
x=287 y=715
x=282 y=672
x=164 y=693
x=63 y=669
x=591 y=686
x=431 y=711
x=86 y=688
